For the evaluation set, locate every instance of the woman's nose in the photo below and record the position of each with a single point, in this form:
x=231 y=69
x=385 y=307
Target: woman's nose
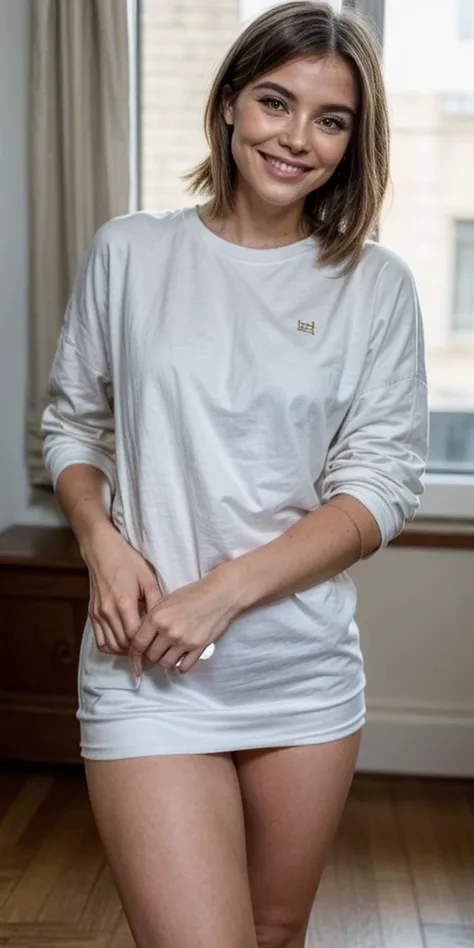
x=295 y=135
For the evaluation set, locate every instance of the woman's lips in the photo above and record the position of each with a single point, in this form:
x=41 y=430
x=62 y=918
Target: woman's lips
x=283 y=170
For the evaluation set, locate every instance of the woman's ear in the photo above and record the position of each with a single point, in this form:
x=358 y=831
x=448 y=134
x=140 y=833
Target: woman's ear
x=227 y=105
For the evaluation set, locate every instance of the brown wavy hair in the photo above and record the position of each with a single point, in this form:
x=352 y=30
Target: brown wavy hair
x=343 y=212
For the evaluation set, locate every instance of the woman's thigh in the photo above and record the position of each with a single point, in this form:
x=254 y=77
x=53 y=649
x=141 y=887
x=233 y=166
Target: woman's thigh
x=173 y=833
x=293 y=799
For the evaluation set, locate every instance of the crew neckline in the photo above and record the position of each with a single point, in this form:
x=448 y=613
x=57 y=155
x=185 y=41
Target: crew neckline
x=240 y=252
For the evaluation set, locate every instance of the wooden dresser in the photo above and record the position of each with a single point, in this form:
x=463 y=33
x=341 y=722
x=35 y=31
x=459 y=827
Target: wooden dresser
x=44 y=592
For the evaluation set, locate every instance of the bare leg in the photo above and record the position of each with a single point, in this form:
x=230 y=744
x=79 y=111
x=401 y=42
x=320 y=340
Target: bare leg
x=173 y=832
x=293 y=800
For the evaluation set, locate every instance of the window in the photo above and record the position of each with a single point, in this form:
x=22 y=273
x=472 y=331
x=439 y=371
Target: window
x=431 y=96
x=466 y=19
x=452 y=442
x=180 y=46
x=432 y=124
x=463 y=308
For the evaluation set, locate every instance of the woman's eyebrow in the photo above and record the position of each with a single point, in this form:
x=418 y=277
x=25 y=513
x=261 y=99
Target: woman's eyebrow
x=331 y=107
x=277 y=88
x=338 y=108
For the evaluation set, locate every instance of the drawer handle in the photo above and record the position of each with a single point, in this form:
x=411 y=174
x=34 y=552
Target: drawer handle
x=62 y=653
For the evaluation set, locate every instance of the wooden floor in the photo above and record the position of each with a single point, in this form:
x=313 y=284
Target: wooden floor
x=400 y=874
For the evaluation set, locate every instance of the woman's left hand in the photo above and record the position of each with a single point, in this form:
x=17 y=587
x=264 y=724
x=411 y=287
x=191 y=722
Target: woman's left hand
x=185 y=622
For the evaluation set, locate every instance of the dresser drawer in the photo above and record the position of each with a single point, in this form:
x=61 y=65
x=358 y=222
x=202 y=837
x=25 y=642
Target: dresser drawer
x=39 y=644
x=44 y=595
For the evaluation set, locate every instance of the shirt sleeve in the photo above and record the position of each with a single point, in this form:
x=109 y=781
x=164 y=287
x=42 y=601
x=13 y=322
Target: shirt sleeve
x=379 y=452
x=78 y=421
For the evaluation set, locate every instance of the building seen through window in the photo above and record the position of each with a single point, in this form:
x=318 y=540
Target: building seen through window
x=428 y=217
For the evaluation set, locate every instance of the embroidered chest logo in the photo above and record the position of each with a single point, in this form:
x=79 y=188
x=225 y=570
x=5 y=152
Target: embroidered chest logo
x=305 y=327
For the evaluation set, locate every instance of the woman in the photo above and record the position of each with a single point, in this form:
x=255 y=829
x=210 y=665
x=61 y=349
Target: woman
x=248 y=379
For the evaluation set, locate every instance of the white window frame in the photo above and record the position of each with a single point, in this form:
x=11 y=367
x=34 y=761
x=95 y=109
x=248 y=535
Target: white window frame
x=447 y=496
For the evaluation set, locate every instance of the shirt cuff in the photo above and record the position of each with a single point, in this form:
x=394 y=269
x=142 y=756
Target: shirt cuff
x=58 y=457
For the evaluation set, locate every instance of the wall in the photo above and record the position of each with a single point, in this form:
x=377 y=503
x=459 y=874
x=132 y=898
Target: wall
x=415 y=607
x=415 y=614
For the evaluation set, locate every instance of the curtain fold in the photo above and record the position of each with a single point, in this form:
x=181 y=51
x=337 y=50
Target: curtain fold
x=79 y=166
x=374 y=10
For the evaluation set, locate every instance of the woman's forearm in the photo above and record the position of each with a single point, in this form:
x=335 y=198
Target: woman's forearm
x=323 y=544
x=80 y=491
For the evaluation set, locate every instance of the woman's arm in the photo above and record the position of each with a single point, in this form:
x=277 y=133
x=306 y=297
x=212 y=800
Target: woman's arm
x=371 y=482
x=79 y=452
x=80 y=494
x=119 y=577
x=323 y=544
x=78 y=422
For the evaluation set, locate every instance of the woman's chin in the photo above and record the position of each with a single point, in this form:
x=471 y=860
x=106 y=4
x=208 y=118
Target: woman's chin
x=278 y=195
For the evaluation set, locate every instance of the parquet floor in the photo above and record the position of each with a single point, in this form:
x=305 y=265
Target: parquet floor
x=400 y=874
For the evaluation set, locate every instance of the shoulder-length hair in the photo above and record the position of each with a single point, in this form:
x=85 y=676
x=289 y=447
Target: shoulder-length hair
x=343 y=212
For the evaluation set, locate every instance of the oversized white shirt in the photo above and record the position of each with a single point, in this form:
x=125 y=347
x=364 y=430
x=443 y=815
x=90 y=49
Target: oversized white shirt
x=225 y=392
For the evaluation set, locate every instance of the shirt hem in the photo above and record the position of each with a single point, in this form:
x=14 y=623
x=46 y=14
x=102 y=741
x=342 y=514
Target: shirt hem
x=146 y=736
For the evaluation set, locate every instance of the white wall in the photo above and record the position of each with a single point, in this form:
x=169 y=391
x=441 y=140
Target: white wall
x=416 y=608
x=416 y=616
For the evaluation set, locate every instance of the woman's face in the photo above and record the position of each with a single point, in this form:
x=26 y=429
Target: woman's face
x=292 y=128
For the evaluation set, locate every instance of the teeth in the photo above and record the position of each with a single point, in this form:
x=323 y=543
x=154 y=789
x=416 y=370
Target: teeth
x=283 y=166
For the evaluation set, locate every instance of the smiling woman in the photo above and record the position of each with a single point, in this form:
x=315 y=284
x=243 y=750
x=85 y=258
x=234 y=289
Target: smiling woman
x=300 y=105
x=300 y=137
x=249 y=376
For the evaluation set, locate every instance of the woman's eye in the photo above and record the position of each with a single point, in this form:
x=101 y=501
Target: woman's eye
x=332 y=124
x=276 y=105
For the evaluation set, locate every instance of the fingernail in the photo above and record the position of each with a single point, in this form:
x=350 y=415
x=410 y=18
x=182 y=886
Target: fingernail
x=136 y=666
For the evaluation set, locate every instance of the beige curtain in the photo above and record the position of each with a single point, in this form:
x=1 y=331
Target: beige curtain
x=79 y=166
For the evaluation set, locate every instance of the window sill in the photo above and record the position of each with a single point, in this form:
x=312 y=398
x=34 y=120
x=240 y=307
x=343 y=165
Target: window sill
x=447 y=497
x=437 y=534
x=446 y=516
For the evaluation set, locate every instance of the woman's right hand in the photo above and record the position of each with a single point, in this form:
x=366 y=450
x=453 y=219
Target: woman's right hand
x=123 y=587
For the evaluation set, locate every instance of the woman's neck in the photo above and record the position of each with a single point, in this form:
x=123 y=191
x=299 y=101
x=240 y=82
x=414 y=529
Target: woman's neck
x=252 y=223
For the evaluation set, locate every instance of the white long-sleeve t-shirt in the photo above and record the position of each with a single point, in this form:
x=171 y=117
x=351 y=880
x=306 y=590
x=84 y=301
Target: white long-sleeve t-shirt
x=226 y=391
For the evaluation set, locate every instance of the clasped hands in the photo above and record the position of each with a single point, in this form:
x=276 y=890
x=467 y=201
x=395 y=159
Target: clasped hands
x=170 y=627
x=181 y=625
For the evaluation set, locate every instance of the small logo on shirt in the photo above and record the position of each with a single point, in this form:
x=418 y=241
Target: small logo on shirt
x=305 y=327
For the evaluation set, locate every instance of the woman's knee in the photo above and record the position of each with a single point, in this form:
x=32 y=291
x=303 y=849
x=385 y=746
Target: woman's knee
x=280 y=935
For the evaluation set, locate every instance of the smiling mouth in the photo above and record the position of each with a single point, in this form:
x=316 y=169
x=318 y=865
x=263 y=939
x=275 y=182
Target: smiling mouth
x=285 y=167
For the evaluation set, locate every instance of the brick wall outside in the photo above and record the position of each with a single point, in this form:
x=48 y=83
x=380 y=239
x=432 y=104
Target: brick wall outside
x=182 y=42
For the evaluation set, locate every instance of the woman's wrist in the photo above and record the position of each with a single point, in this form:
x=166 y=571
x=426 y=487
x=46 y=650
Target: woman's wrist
x=89 y=523
x=231 y=576
x=79 y=491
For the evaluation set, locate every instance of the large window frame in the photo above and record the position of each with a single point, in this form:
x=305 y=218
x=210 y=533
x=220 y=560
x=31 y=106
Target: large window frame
x=447 y=496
